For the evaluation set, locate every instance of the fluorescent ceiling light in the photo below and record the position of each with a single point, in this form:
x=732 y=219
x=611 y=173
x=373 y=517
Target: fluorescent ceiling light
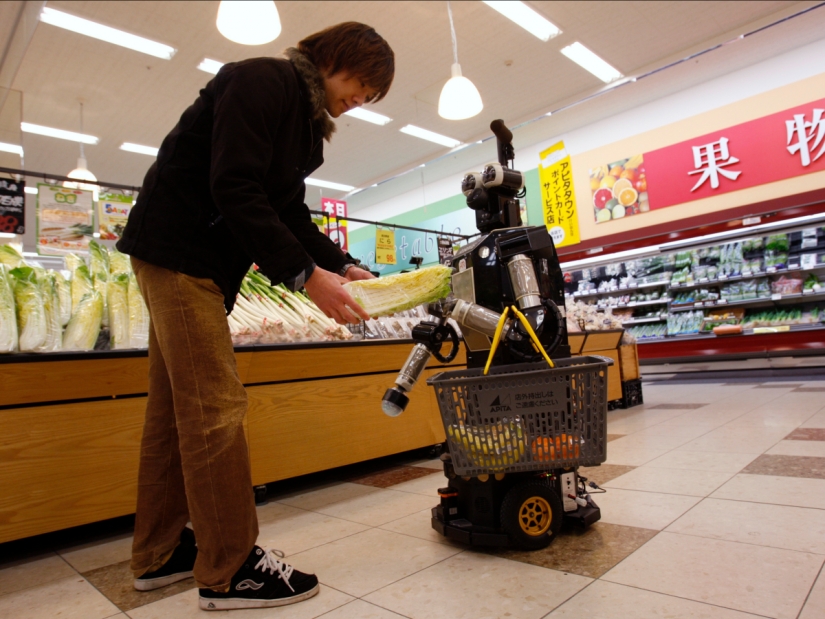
x=11 y=148
x=140 y=149
x=533 y=22
x=430 y=136
x=59 y=133
x=210 y=66
x=32 y=190
x=371 y=117
x=105 y=33
x=7 y=235
x=328 y=185
x=586 y=59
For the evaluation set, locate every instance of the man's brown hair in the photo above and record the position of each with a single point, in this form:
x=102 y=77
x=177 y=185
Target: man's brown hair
x=356 y=49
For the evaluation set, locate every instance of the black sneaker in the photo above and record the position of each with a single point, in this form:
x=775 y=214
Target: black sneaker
x=178 y=567
x=262 y=582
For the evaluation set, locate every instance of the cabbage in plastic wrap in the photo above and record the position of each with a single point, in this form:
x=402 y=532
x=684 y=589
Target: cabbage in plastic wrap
x=81 y=284
x=64 y=294
x=99 y=268
x=10 y=257
x=51 y=307
x=402 y=291
x=31 y=316
x=138 y=316
x=118 y=303
x=84 y=326
x=8 y=320
x=118 y=262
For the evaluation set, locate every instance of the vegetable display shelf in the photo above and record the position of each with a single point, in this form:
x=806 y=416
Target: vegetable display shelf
x=70 y=423
x=774 y=299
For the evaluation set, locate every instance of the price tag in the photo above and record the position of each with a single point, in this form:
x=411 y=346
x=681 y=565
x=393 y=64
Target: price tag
x=746 y=273
x=771 y=269
x=722 y=302
x=776 y=296
x=622 y=286
x=632 y=304
x=698 y=304
x=808 y=291
x=808 y=261
x=808 y=232
x=723 y=276
x=702 y=280
x=385 y=247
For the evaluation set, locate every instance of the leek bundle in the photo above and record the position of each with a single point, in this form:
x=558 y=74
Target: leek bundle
x=117 y=289
x=138 y=316
x=10 y=257
x=31 y=317
x=51 y=309
x=403 y=291
x=8 y=320
x=99 y=269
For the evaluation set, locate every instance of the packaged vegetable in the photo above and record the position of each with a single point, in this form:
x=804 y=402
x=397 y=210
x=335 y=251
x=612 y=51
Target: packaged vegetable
x=118 y=262
x=8 y=320
x=138 y=316
x=117 y=290
x=64 y=296
x=10 y=257
x=84 y=326
x=51 y=309
x=81 y=284
x=31 y=317
x=395 y=293
x=99 y=269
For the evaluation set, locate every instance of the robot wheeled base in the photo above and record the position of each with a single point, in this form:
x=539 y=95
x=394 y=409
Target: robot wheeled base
x=525 y=509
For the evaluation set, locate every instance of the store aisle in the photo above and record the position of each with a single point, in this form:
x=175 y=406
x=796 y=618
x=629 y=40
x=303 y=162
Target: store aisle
x=715 y=509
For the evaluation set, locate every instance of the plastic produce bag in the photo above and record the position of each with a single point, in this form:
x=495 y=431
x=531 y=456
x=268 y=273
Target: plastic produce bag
x=138 y=316
x=99 y=269
x=118 y=262
x=118 y=303
x=84 y=326
x=10 y=257
x=395 y=293
x=81 y=284
x=8 y=320
x=64 y=295
x=51 y=308
x=31 y=316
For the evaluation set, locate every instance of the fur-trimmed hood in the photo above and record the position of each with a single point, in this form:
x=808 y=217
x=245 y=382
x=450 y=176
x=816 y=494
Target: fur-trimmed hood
x=315 y=86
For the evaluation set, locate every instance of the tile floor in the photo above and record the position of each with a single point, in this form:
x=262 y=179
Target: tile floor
x=715 y=508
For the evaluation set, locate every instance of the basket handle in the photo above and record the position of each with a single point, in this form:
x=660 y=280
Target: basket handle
x=526 y=324
x=607 y=360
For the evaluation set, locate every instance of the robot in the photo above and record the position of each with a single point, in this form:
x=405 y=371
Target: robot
x=508 y=298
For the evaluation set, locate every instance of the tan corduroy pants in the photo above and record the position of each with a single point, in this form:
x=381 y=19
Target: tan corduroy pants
x=194 y=460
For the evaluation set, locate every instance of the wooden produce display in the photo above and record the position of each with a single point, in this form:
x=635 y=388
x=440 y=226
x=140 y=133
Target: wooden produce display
x=605 y=344
x=70 y=423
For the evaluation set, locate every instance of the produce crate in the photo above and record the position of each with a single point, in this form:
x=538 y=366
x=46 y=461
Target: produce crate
x=525 y=417
x=632 y=393
x=629 y=362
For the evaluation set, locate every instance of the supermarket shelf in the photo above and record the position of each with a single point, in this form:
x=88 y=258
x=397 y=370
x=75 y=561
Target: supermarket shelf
x=758 y=301
x=739 y=278
x=621 y=290
x=641 y=321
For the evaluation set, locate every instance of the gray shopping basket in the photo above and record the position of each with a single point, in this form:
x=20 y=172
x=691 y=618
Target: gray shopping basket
x=525 y=417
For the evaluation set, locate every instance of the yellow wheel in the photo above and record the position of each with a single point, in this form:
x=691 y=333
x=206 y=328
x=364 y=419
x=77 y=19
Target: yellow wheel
x=532 y=514
x=535 y=516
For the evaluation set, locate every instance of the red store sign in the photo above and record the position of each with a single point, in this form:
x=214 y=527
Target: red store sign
x=765 y=150
x=335 y=228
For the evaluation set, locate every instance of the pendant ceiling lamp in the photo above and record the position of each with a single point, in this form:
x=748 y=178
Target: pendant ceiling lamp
x=81 y=172
x=249 y=23
x=459 y=98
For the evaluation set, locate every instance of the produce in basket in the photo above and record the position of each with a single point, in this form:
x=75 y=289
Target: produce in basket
x=491 y=446
x=562 y=447
x=402 y=291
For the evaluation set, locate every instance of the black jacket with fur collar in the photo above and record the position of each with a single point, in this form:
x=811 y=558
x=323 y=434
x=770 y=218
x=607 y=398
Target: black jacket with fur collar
x=227 y=188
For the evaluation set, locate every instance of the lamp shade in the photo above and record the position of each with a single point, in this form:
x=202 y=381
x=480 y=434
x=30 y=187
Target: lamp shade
x=459 y=98
x=82 y=173
x=249 y=23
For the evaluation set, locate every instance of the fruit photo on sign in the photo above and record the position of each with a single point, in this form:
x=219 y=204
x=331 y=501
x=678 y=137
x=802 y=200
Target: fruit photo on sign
x=619 y=189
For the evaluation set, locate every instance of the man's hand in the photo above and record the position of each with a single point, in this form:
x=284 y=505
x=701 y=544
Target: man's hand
x=326 y=291
x=354 y=274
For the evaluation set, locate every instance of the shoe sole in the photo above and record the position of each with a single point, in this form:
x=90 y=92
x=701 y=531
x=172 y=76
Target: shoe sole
x=151 y=584
x=239 y=603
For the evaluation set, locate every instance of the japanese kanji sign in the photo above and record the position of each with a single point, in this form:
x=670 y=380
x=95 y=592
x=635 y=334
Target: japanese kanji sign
x=765 y=150
x=12 y=206
x=335 y=228
x=558 y=196
x=385 y=246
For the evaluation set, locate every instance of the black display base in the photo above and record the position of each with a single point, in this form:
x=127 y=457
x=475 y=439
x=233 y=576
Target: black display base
x=632 y=393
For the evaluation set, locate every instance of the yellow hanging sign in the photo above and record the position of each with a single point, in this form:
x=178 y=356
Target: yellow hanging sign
x=558 y=196
x=385 y=246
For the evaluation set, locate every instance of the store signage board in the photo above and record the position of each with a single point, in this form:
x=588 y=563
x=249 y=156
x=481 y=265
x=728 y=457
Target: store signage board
x=765 y=150
x=445 y=249
x=12 y=206
x=335 y=228
x=113 y=212
x=385 y=246
x=64 y=220
x=558 y=196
